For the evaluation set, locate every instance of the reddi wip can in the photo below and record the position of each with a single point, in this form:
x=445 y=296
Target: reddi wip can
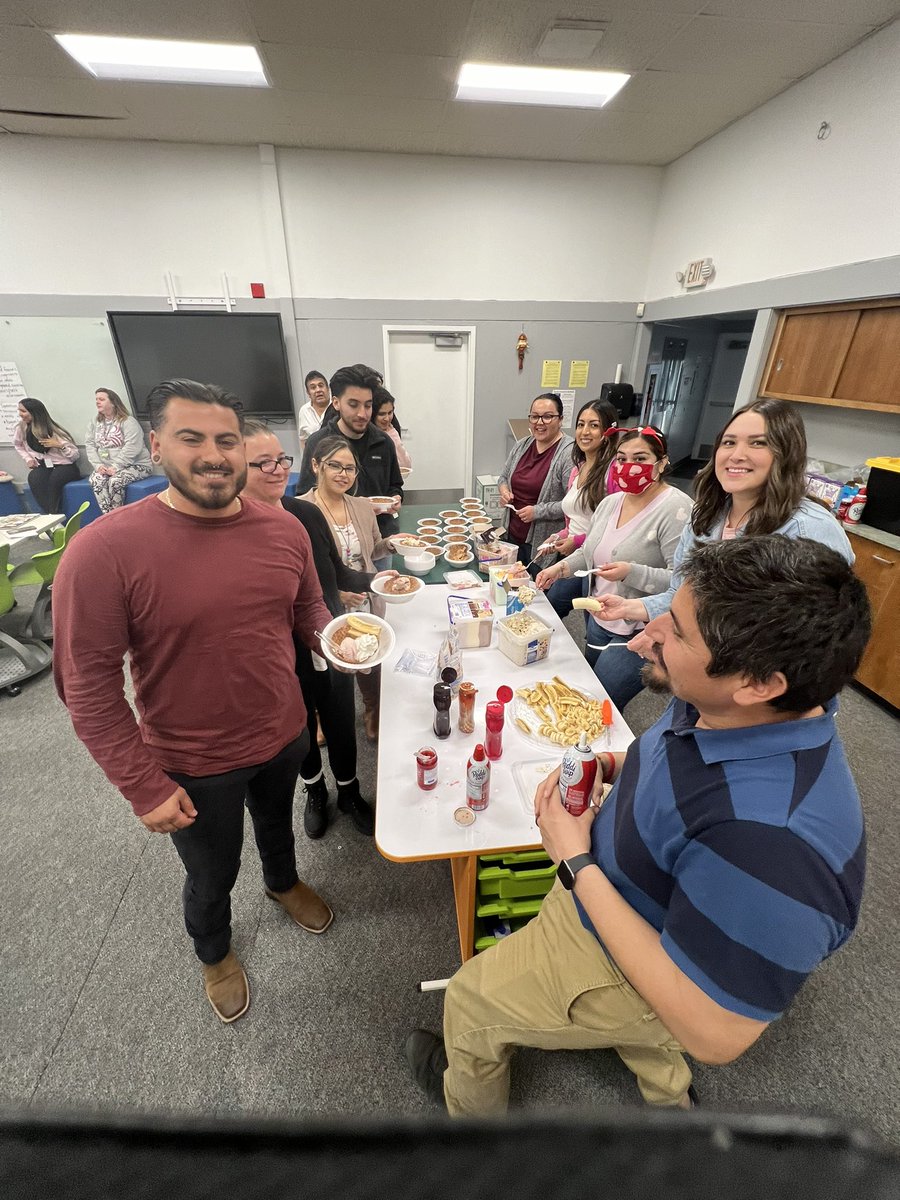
x=577 y=772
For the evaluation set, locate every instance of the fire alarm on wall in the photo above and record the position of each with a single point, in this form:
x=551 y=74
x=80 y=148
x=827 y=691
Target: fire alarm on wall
x=258 y=291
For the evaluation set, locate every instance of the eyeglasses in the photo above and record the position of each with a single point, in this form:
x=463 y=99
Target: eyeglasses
x=543 y=418
x=270 y=465
x=340 y=469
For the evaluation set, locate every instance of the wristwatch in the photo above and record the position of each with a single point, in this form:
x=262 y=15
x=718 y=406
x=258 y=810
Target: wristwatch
x=569 y=868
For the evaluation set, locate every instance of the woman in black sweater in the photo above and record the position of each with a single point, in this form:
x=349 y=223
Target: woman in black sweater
x=328 y=694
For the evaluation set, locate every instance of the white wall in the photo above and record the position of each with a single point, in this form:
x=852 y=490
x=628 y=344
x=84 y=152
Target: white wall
x=412 y=227
x=765 y=198
x=93 y=218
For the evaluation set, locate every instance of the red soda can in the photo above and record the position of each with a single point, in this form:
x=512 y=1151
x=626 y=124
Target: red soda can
x=577 y=772
x=426 y=768
x=478 y=780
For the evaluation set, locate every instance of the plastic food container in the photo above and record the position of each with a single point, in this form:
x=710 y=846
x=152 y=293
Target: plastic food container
x=497 y=575
x=496 y=554
x=524 y=638
x=472 y=619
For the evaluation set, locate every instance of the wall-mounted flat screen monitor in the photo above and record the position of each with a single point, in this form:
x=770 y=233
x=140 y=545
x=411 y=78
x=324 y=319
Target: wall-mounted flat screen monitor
x=243 y=352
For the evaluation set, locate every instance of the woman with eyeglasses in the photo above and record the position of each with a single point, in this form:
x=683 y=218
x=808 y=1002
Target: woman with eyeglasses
x=327 y=693
x=354 y=528
x=630 y=546
x=535 y=475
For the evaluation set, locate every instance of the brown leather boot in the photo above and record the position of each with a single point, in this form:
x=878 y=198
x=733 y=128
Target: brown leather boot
x=370 y=723
x=227 y=988
x=304 y=907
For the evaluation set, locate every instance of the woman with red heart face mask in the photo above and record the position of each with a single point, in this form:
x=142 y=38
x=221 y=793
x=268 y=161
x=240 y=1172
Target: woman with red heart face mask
x=631 y=544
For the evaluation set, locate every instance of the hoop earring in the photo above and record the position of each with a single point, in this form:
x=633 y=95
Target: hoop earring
x=156 y=458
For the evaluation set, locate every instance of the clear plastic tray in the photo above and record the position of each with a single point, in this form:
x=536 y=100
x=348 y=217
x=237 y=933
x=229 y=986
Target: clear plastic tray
x=463 y=580
x=518 y=708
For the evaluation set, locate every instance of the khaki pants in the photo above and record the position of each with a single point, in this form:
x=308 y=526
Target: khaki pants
x=551 y=986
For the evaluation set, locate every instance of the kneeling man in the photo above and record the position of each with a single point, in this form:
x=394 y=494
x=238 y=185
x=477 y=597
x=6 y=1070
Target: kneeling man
x=724 y=866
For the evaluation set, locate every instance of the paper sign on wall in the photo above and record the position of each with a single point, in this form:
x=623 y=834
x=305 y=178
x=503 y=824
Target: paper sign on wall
x=551 y=373
x=12 y=391
x=568 y=403
x=578 y=372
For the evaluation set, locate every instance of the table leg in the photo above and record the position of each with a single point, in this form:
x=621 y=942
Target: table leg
x=465 y=874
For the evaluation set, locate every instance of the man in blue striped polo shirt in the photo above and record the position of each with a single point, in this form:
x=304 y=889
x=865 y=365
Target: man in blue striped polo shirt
x=726 y=863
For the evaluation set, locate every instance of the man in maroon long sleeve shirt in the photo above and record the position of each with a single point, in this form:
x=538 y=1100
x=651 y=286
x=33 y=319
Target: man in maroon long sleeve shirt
x=204 y=592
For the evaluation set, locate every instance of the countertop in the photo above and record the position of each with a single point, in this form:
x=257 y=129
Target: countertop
x=875 y=535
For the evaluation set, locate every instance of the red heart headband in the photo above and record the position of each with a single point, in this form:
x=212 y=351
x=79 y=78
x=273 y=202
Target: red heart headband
x=646 y=431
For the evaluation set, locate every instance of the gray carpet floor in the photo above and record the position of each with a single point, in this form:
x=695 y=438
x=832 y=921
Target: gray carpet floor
x=103 y=1009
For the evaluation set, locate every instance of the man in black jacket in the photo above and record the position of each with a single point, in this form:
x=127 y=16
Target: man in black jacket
x=379 y=472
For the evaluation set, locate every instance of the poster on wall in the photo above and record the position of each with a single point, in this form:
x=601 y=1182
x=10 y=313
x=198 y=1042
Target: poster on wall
x=568 y=402
x=551 y=373
x=578 y=372
x=11 y=392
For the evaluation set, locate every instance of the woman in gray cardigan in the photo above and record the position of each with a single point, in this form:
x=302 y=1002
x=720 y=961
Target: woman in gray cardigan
x=114 y=444
x=630 y=546
x=536 y=476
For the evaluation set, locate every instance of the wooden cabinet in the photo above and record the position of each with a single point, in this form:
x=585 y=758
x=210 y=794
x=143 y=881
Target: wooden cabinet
x=845 y=355
x=879 y=569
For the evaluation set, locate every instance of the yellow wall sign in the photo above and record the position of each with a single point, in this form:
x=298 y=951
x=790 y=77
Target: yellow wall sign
x=578 y=372
x=551 y=372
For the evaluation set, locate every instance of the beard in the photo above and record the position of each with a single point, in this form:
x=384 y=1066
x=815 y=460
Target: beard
x=654 y=678
x=212 y=494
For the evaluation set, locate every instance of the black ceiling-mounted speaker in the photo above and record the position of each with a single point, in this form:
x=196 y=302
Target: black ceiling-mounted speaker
x=620 y=396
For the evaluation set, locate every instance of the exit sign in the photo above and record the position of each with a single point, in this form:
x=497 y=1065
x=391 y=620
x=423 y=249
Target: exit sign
x=698 y=273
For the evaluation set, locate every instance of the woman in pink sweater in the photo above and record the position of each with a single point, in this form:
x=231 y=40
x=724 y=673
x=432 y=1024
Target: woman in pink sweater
x=49 y=452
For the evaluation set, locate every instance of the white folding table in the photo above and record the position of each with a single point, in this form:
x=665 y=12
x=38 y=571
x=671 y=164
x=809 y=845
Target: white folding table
x=413 y=825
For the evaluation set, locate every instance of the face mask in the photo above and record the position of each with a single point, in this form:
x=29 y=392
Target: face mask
x=634 y=477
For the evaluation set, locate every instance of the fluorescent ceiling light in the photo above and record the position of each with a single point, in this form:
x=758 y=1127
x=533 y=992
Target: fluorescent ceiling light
x=164 y=61
x=538 y=85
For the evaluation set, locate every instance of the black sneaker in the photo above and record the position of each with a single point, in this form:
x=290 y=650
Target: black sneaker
x=315 y=816
x=350 y=801
x=427 y=1060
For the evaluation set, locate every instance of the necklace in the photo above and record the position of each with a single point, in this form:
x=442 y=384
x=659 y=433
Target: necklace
x=167 y=499
x=339 y=529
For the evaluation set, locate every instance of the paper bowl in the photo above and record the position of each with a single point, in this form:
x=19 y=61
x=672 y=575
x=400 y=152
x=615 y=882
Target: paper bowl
x=381 y=504
x=379 y=586
x=428 y=523
x=459 y=562
x=400 y=546
x=449 y=513
x=385 y=642
x=420 y=563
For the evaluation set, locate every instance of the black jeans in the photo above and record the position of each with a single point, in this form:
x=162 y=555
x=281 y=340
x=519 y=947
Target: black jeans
x=47 y=484
x=329 y=694
x=210 y=849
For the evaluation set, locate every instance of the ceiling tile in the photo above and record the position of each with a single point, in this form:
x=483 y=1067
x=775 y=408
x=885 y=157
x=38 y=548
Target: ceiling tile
x=76 y=96
x=359 y=73
x=209 y=20
x=13 y=14
x=687 y=93
x=376 y=26
x=33 y=53
x=504 y=32
x=865 y=12
x=721 y=44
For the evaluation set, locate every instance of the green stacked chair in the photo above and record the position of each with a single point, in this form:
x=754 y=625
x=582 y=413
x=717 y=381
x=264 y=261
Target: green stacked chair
x=19 y=658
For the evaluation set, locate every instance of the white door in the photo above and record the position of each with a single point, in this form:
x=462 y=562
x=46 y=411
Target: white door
x=433 y=385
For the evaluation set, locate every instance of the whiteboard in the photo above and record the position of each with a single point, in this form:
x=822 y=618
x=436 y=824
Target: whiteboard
x=62 y=361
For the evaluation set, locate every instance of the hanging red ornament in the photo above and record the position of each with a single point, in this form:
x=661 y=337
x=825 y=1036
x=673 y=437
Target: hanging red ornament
x=521 y=347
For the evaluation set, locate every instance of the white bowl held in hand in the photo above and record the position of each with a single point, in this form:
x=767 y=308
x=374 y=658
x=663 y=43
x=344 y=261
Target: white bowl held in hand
x=380 y=588
x=419 y=563
x=331 y=639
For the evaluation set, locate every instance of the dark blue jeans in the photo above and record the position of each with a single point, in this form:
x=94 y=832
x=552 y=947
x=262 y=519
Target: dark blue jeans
x=210 y=849
x=617 y=668
x=562 y=593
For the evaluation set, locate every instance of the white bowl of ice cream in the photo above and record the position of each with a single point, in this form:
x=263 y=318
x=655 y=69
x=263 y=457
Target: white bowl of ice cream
x=397 y=589
x=357 y=641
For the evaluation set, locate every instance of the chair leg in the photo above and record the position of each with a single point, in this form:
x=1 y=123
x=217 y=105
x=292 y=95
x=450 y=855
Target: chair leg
x=34 y=656
x=40 y=616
